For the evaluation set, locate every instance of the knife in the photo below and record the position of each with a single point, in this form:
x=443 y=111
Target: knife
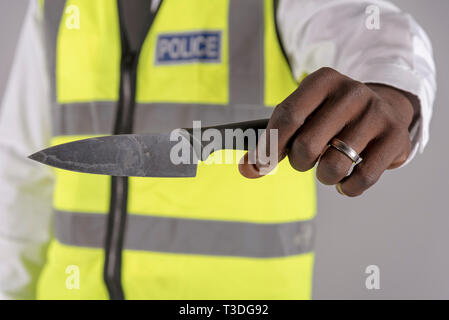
x=142 y=155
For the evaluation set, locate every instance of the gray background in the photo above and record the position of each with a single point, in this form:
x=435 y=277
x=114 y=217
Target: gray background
x=401 y=224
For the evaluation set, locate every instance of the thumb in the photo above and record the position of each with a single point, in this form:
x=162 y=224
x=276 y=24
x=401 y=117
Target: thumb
x=247 y=169
x=264 y=159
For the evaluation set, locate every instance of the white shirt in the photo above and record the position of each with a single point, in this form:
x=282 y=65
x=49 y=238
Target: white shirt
x=315 y=33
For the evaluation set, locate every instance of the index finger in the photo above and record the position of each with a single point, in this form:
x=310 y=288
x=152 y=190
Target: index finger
x=287 y=118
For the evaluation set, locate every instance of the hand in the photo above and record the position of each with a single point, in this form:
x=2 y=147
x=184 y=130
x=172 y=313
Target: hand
x=373 y=119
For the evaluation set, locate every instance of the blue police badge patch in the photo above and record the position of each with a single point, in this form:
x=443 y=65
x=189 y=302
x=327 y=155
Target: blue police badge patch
x=189 y=47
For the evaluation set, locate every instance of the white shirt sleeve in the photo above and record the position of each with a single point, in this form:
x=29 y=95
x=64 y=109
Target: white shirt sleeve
x=25 y=186
x=344 y=35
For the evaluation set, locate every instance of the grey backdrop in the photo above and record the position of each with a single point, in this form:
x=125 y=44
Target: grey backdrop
x=401 y=224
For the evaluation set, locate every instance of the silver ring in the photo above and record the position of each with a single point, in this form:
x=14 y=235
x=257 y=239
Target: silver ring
x=346 y=150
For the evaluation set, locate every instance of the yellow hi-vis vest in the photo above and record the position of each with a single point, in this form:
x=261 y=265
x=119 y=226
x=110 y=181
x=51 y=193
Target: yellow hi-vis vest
x=215 y=236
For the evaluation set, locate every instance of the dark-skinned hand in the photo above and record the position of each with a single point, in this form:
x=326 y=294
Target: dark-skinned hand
x=373 y=119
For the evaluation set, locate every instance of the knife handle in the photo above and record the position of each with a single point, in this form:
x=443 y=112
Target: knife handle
x=234 y=136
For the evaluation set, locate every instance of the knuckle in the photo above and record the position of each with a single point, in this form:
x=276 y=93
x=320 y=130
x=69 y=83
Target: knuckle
x=326 y=71
x=383 y=111
x=391 y=126
x=354 y=88
x=377 y=112
x=397 y=132
x=287 y=114
x=305 y=148
x=376 y=108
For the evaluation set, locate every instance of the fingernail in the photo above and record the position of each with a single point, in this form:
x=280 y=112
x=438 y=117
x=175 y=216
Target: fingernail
x=340 y=191
x=252 y=158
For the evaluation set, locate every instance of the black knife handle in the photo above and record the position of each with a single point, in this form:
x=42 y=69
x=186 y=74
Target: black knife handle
x=230 y=136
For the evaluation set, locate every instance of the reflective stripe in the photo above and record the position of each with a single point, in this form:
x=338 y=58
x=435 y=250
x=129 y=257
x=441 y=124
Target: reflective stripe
x=90 y=118
x=98 y=117
x=246 y=52
x=161 y=117
x=190 y=236
x=53 y=11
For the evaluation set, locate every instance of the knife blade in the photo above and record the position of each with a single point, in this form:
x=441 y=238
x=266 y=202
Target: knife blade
x=140 y=155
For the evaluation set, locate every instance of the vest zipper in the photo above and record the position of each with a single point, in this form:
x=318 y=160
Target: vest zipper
x=116 y=224
x=119 y=189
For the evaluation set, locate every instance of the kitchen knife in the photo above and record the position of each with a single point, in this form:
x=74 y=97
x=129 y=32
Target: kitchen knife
x=142 y=155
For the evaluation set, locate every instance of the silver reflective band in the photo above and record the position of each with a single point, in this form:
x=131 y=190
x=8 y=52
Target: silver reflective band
x=190 y=236
x=346 y=150
x=97 y=118
x=246 y=52
x=53 y=11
